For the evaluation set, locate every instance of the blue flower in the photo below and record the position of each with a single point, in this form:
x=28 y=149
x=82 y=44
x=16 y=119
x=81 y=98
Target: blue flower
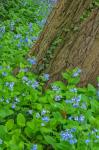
x=58 y=98
x=30 y=25
x=1 y=141
x=11 y=85
x=87 y=141
x=55 y=88
x=26 y=40
x=37 y=115
x=97 y=136
x=34 y=147
x=68 y=101
x=17 y=100
x=25 y=78
x=73 y=141
x=84 y=106
x=17 y=36
x=77 y=73
x=81 y=118
x=32 y=61
x=7 y=101
x=76 y=105
x=4 y=74
x=73 y=129
x=42 y=124
x=46 y=77
x=35 y=84
x=30 y=112
x=66 y=135
x=70 y=118
x=73 y=90
x=18 y=45
x=43 y=112
x=2 y=29
x=45 y=118
x=13 y=106
x=1 y=67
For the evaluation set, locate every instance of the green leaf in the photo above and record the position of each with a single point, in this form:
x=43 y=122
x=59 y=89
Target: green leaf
x=91 y=89
x=4 y=112
x=21 y=120
x=10 y=124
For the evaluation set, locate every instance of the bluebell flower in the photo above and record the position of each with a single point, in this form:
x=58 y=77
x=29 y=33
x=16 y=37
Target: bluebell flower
x=30 y=111
x=45 y=118
x=81 y=118
x=42 y=124
x=76 y=105
x=70 y=118
x=7 y=101
x=46 y=77
x=2 y=29
x=8 y=67
x=37 y=115
x=17 y=100
x=73 y=90
x=1 y=141
x=19 y=45
x=29 y=82
x=58 y=98
x=55 y=88
x=17 y=36
x=66 y=135
x=35 y=84
x=32 y=61
x=73 y=141
x=30 y=25
x=97 y=136
x=26 y=40
x=87 y=141
x=34 y=147
x=12 y=26
x=76 y=118
x=43 y=112
x=11 y=85
x=13 y=106
x=34 y=38
x=73 y=129
x=95 y=130
x=77 y=73
x=1 y=67
x=68 y=101
x=84 y=106
x=25 y=78
x=76 y=99
x=4 y=74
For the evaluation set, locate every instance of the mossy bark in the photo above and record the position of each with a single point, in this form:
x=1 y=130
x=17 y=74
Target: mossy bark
x=67 y=42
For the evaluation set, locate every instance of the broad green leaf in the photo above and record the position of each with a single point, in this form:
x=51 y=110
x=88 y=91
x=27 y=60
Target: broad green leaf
x=21 y=120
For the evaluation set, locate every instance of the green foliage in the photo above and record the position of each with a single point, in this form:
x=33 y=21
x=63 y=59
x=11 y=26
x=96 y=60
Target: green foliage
x=32 y=118
x=20 y=24
x=56 y=118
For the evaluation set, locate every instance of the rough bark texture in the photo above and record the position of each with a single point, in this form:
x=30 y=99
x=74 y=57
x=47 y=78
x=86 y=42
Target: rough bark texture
x=68 y=42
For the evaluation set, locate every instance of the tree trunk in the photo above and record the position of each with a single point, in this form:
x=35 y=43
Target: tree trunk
x=69 y=39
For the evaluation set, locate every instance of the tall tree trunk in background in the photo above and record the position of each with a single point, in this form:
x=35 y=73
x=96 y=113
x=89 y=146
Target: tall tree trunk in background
x=67 y=41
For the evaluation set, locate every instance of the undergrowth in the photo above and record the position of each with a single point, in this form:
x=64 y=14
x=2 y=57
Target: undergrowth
x=62 y=117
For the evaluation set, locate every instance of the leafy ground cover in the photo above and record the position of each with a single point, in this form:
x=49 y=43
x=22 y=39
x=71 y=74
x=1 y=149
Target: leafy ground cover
x=59 y=118
x=20 y=24
x=31 y=117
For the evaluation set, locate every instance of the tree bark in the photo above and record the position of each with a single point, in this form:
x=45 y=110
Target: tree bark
x=68 y=42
